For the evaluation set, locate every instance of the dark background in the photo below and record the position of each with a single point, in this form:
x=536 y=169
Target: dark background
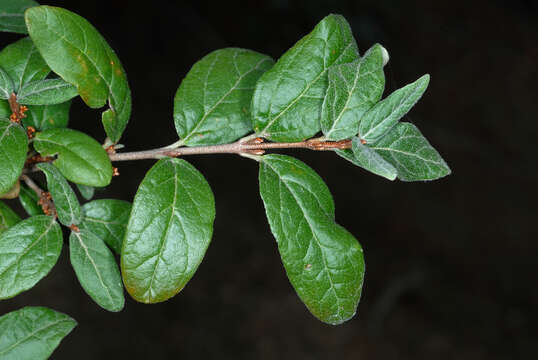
x=451 y=264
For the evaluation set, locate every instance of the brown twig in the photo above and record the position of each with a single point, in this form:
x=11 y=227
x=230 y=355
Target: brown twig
x=17 y=111
x=255 y=146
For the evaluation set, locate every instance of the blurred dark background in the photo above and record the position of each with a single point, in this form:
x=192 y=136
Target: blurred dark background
x=451 y=264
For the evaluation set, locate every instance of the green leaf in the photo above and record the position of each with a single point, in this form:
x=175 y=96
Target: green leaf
x=96 y=270
x=80 y=158
x=8 y=218
x=286 y=105
x=212 y=105
x=169 y=230
x=46 y=92
x=107 y=219
x=65 y=200
x=385 y=114
x=5 y=110
x=323 y=261
x=29 y=201
x=32 y=333
x=12 y=15
x=87 y=192
x=13 y=149
x=23 y=63
x=353 y=89
x=411 y=154
x=47 y=116
x=28 y=251
x=76 y=51
x=361 y=155
x=6 y=85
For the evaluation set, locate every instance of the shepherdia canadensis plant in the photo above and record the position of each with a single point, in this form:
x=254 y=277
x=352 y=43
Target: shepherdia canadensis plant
x=231 y=101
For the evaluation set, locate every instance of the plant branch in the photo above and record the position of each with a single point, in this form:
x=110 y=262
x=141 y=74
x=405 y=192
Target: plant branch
x=256 y=146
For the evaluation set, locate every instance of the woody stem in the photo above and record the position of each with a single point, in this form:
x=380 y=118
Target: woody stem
x=252 y=147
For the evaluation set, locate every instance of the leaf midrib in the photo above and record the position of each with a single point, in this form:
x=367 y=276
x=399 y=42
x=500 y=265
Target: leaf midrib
x=86 y=251
x=221 y=100
x=314 y=235
x=29 y=248
x=33 y=333
x=66 y=149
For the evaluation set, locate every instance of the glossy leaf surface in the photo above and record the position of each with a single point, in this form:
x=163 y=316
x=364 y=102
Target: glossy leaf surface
x=212 y=105
x=8 y=218
x=323 y=261
x=32 y=333
x=169 y=230
x=23 y=63
x=47 y=116
x=13 y=149
x=386 y=113
x=46 y=92
x=12 y=15
x=29 y=201
x=411 y=154
x=65 y=200
x=287 y=102
x=76 y=51
x=28 y=251
x=80 y=158
x=353 y=89
x=107 y=219
x=96 y=270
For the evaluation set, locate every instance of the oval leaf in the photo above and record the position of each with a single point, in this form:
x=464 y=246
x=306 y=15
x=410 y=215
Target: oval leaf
x=286 y=105
x=411 y=154
x=8 y=218
x=47 y=116
x=28 y=251
x=323 y=261
x=80 y=158
x=366 y=158
x=23 y=63
x=46 y=92
x=13 y=149
x=96 y=270
x=29 y=201
x=385 y=114
x=32 y=333
x=212 y=105
x=353 y=89
x=65 y=200
x=107 y=219
x=12 y=15
x=76 y=51
x=169 y=230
